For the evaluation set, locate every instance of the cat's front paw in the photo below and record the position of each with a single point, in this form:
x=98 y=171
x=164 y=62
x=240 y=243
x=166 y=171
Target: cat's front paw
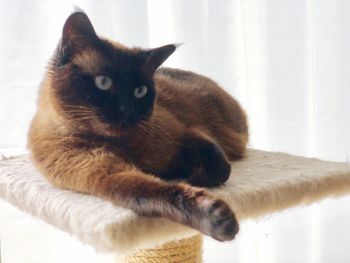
x=218 y=219
x=213 y=169
x=209 y=215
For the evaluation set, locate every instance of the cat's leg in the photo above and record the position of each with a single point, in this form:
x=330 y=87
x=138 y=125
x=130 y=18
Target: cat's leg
x=102 y=174
x=209 y=165
x=233 y=143
x=182 y=203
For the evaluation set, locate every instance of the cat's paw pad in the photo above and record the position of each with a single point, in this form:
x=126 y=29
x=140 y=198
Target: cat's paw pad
x=218 y=220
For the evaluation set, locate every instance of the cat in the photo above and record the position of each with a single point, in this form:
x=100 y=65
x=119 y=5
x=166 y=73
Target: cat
x=111 y=123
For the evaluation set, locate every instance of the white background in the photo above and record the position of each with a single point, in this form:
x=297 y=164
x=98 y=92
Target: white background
x=286 y=61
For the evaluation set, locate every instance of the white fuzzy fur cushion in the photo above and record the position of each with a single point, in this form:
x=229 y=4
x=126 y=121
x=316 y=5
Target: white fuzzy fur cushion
x=261 y=183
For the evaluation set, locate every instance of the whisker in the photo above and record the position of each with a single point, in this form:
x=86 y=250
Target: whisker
x=157 y=126
x=146 y=130
x=159 y=132
x=82 y=118
x=76 y=106
x=153 y=133
x=80 y=112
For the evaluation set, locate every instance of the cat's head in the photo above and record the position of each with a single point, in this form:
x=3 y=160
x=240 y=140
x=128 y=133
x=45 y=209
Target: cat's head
x=101 y=85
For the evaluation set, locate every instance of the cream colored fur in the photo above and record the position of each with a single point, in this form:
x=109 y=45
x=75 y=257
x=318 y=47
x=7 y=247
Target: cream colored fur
x=261 y=183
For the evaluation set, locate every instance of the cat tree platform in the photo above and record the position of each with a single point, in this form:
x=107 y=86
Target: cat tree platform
x=261 y=183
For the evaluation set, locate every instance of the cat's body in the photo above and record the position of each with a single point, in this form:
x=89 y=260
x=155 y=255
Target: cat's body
x=188 y=128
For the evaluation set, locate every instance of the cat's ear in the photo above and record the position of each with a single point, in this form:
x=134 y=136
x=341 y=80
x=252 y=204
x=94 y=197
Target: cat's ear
x=77 y=34
x=155 y=57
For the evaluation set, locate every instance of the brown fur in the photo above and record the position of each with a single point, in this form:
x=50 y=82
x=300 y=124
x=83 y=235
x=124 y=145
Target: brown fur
x=194 y=129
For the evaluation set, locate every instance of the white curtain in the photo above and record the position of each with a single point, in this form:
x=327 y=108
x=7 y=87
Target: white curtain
x=287 y=62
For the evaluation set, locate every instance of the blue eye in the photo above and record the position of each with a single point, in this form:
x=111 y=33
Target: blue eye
x=103 y=82
x=140 y=92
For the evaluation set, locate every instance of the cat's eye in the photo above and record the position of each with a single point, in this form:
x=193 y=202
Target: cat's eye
x=140 y=92
x=103 y=82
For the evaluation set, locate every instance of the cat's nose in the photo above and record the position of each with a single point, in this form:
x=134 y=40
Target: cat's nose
x=126 y=112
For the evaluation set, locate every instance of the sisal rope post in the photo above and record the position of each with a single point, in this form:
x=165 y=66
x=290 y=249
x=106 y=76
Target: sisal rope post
x=187 y=250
